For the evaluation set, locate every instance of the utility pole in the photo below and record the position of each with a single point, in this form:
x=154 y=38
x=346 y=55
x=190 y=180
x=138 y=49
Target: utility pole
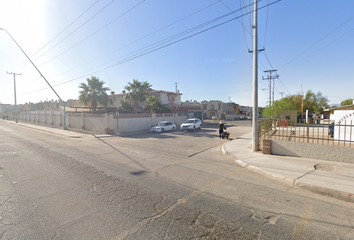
x=270 y=78
x=270 y=89
x=15 y=92
x=281 y=93
x=64 y=125
x=255 y=141
x=176 y=87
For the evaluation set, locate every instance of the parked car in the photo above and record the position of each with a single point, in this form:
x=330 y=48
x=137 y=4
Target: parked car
x=163 y=126
x=191 y=124
x=214 y=117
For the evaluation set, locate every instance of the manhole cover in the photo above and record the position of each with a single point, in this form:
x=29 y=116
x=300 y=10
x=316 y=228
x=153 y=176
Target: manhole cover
x=325 y=167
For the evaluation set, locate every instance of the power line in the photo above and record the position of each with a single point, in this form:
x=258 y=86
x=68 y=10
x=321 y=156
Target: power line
x=319 y=41
x=284 y=86
x=94 y=32
x=66 y=28
x=265 y=31
x=170 y=38
x=240 y=21
x=112 y=52
x=161 y=42
x=265 y=54
x=76 y=29
x=160 y=45
x=319 y=50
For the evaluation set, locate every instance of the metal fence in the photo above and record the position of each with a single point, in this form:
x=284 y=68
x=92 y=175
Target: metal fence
x=325 y=133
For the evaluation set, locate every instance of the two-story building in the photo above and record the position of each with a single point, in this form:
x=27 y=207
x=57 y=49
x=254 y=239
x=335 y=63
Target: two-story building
x=220 y=110
x=211 y=108
x=167 y=98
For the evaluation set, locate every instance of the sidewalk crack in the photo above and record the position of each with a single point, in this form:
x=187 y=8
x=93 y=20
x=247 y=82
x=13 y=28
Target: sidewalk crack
x=305 y=174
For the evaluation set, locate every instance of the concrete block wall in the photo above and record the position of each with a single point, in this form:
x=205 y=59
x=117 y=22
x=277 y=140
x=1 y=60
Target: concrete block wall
x=314 y=151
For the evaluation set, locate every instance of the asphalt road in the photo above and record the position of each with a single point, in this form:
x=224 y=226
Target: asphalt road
x=57 y=184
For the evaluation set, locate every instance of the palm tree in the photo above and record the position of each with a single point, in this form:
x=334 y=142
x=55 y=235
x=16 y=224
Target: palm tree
x=136 y=92
x=93 y=92
x=152 y=103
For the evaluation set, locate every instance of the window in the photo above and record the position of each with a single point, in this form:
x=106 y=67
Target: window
x=212 y=107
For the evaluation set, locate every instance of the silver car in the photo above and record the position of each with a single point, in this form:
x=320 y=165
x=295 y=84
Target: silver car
x=163 y=126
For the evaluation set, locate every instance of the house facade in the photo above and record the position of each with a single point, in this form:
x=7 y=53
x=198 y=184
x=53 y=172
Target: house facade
x=211 y=108
x=167 y=98
x=219 y=109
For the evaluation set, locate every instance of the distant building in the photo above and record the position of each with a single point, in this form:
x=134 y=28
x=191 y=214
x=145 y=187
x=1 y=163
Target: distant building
x=7 y=108
x=47 y=105
x=230 y=108
x=211 y=108
x=167 y=98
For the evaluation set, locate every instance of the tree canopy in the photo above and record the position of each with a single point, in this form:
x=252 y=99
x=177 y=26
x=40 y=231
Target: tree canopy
x=93 y=92
x=311 y=102
x=125 y=107
x=347 y=102
x=136 y=92
x=154 y=105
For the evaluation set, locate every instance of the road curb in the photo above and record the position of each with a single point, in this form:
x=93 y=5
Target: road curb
x=276 y=177
x=341 y=195
x=224 y=151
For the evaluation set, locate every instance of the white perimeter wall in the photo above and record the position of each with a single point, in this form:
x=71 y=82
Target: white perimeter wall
x=99 y=123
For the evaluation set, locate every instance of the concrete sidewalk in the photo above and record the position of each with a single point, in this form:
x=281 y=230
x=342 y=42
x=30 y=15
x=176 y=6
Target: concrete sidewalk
x=334 y=179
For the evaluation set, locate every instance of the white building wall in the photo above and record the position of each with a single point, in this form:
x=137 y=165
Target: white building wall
x=164 y=99
x=343 y=118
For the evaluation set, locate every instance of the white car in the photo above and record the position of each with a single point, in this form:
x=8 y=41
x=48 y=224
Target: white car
x=163 y=126
x=191 y=124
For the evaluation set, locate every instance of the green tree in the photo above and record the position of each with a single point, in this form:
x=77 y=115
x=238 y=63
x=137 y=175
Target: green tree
x=154 y=105
x=93 y=92
x=287 y=103
x=314 y=102
x=125 y=107
x=136 y=92
x=347 y=102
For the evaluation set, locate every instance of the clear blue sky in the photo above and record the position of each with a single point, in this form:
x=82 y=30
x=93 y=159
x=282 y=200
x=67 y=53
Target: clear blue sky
x=308 y=42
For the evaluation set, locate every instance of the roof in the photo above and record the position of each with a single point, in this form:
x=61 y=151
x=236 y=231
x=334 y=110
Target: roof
x=152 y=91
x=347 y=107
x=161 y=91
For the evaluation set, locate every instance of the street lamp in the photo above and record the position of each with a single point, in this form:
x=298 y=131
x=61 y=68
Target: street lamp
x=64 y=124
